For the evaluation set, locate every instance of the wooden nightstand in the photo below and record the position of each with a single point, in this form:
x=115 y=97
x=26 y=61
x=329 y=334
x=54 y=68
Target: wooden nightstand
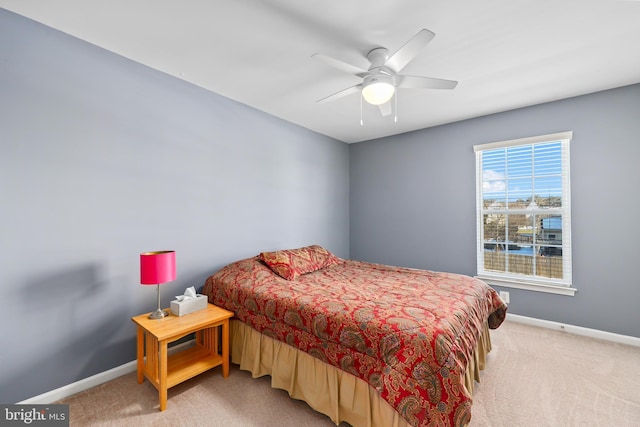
x=165 y=371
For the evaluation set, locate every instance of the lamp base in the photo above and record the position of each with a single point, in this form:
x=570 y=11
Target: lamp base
x=159 y=314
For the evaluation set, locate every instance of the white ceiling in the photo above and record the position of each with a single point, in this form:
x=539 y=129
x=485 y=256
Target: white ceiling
x=505 y=54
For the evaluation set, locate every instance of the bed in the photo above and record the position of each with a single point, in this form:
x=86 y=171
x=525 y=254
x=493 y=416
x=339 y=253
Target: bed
x=369 y=344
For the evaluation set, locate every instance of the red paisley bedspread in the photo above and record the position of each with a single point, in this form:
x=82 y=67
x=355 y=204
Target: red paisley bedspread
x=408 y=333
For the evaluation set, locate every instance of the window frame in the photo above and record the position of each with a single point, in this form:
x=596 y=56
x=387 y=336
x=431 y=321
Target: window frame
x=561 y=286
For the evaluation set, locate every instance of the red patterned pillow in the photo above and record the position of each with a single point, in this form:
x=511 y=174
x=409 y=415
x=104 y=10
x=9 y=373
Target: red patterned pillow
x=291 y=263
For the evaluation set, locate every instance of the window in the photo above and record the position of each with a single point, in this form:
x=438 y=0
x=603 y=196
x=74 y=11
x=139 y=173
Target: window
x=524 y=213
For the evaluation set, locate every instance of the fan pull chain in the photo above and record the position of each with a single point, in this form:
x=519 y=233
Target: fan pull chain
x=361 y=121
x=395 y=95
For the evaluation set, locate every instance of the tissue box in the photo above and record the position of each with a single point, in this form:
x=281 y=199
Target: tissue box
x=180 y=308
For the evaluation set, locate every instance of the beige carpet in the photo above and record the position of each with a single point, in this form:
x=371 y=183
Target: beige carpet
x=535 y=377
x=540 y=377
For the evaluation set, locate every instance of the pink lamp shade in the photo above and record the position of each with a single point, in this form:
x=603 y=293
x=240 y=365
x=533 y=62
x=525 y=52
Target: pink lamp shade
x=157 y=267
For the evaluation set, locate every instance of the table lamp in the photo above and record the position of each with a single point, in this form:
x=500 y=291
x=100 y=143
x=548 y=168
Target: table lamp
x=157 y=268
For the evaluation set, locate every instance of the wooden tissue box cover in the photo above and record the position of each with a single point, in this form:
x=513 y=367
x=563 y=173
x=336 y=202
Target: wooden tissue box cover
x=180 y=308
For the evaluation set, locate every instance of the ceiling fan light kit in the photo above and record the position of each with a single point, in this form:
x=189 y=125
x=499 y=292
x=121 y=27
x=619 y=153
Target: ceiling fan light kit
x=377 y=90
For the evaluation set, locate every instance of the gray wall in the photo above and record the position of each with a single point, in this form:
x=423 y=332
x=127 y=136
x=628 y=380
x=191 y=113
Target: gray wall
x=413 y=203
x=102 y=158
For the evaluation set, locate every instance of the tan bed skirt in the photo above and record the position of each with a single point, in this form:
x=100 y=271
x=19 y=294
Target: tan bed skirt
x=335 y=393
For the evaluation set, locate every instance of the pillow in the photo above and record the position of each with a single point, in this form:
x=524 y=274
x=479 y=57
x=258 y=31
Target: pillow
x=291 y=263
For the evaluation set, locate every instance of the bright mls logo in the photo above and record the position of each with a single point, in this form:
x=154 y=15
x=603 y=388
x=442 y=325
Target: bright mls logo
x=35 y=415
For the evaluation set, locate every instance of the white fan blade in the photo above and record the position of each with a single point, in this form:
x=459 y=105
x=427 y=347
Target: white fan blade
x=341 y=65
x=344 y=92
x=385 y=109
x=416 y=82
x=406 y=53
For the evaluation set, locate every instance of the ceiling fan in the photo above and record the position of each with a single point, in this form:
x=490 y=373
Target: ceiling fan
x=381 y=79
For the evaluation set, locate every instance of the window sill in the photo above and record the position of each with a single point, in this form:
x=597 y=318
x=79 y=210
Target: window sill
x=537 y=287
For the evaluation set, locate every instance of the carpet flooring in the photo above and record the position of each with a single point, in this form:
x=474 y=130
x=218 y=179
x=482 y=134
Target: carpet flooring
x=534 y=378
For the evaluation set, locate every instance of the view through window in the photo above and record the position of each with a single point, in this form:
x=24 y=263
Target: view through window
x=523 y=208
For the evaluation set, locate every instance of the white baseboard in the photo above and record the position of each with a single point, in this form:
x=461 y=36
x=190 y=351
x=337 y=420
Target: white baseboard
x=92 y=381
x=78 y=386
x=578 y=330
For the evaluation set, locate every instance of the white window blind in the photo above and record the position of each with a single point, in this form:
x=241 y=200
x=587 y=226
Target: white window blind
x=524 y=212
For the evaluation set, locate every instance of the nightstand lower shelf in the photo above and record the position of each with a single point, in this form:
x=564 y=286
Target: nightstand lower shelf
x=188 y=363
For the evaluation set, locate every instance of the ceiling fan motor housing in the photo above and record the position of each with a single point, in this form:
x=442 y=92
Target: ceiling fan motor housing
x=378 y=87
x=380 y=77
